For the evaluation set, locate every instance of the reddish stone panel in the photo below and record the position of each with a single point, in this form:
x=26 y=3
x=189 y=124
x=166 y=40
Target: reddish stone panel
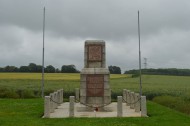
x=94 y=53
x=95 y=85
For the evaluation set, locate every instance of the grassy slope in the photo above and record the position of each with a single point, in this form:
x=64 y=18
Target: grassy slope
x=18 y=112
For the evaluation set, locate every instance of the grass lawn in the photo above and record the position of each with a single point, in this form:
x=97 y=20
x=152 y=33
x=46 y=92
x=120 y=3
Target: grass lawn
x=28 y=112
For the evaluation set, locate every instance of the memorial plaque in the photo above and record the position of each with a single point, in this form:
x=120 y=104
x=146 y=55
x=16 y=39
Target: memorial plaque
x=94 y=53
x=95 y=85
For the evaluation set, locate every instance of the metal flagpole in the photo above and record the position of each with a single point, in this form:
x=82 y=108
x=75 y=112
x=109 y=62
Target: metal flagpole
x=140 y=80
x=43 y=54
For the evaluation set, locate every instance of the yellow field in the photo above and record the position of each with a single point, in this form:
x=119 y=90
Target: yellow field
x=49 y=76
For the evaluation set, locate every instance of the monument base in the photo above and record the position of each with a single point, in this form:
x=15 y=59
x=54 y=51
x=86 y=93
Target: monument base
x=95 y=90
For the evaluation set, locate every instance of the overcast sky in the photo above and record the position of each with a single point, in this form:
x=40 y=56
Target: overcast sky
x=165 y=32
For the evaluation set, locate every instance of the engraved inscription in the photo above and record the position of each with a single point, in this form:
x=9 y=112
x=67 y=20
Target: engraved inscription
x=95 y=85
x=95 y=53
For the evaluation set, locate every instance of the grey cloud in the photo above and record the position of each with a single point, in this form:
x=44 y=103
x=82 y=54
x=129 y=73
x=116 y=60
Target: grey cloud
x=164 y=31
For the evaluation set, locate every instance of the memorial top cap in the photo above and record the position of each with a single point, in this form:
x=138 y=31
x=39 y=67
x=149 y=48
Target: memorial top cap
x=94 y=54
x=91 y=42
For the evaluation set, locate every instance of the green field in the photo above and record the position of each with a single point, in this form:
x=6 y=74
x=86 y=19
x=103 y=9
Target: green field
x=28 y=112
x=170 y=91
x=153 y=85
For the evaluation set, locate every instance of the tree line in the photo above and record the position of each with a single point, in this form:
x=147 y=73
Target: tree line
x=32 y=67
x=168 y=71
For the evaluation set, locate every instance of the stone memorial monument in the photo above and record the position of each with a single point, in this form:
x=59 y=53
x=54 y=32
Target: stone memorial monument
x=94 y=87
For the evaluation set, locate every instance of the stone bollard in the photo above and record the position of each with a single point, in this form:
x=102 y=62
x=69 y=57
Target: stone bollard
x=51 y=103
x=62 y=95
x=124 y=95
x=54 y=99
x=128 y=98
x=47 y=107
x=132 y=100
x=137 y=102
x=58 y=96
x=77 y=94
x=119 y=106
x=71 y=106
x=143 y=106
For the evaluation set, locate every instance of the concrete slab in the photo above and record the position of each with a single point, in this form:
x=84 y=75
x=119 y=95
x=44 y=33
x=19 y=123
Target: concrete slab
x=80 y=111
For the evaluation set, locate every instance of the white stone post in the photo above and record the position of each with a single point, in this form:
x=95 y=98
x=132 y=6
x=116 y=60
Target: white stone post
x=143 y=106
x=58 y=96
x=77 y=94
x=47 y=107
x=137 y=102
x=62 y=95
x=51 y=103
x=54 y=99
x=124 y=95
x=132 y=100
x=71 y=106
x=119 y=106
x=128 y=98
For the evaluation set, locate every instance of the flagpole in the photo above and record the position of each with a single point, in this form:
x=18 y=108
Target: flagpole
x=140 y=80
x=42 y=86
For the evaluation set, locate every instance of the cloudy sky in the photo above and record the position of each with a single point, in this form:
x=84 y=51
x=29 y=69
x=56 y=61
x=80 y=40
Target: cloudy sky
x=165 y=32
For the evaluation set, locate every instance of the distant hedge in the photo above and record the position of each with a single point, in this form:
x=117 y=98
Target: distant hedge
x=169 y=71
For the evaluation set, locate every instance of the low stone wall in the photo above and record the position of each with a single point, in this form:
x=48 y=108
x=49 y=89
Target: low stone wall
x=52 y=101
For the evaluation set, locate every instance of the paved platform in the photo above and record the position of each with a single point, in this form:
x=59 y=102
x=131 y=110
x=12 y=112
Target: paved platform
x=80 y=111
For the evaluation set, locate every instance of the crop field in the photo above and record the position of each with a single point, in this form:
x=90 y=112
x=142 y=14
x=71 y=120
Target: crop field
x=151 y=84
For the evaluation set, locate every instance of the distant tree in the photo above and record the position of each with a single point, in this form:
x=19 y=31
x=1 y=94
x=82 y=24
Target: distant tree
x=38 y=68
x=10 y=69
x=50 y=69
x=69 y=69
x=24 y=69
x=1 y=69
x=114 y=69
x=32 y=67
x=57 y=70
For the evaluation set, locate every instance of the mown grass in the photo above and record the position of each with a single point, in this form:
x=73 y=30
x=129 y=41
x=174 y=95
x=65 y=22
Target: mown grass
x=28 y=112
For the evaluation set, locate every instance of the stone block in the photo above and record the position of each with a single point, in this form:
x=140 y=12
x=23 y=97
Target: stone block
x=83 y=99
x=71 y=106
x=101 y=71
x=47 y=107
x=124 y=95
x=95 y=100
x=128 y=97
x=137 y=102
x=106 y=85
x=119 y=106
x=107 y=92
x=132 y=105
x=87 y=71
x=83 y=92
x=51 y=103
x=59 y=96
x=107 y=99
x=143 y=106
x=82 y=77
x=106 y=77
x=77 y=94
x=83 y=84
x=94 y=64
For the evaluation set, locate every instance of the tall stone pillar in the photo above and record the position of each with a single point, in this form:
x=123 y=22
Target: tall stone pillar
x=94 y=87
